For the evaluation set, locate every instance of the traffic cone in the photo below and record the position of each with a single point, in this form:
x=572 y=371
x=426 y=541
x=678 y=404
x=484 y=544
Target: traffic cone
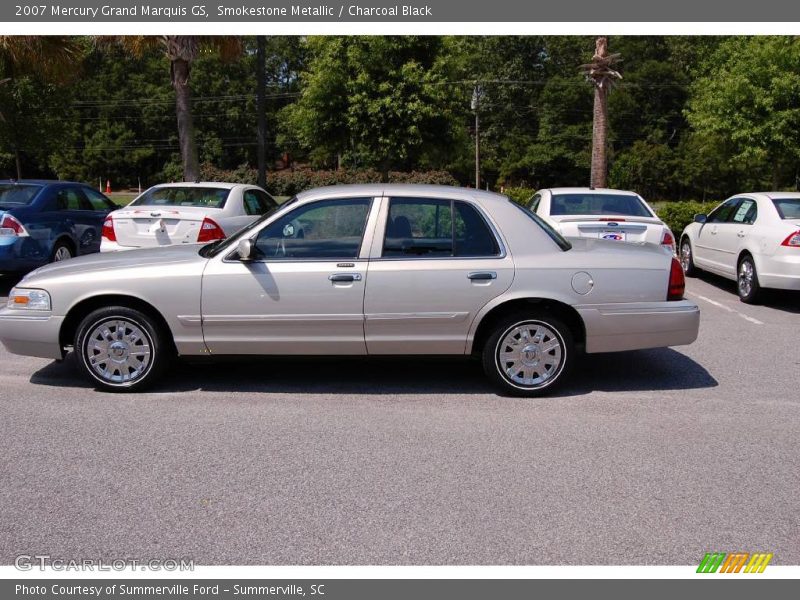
x=108 y=186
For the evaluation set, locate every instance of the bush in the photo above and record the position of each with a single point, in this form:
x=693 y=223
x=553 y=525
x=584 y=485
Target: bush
x=520 y=195
x=678 y=215
x=290 y=182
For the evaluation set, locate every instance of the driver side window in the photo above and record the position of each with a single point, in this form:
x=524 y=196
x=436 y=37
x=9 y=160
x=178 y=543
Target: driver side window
x=724 y=212
x=324 y=230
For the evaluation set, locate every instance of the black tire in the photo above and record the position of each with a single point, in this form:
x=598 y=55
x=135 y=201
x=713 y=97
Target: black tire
x=61 y=247
x=498 y=371
x=686 y=257
x=111 y=361
x=747 y=286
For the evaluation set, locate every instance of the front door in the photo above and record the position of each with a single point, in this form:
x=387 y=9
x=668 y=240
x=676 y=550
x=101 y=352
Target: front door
x=303 y=293
x=438 y=263
x=708 y=249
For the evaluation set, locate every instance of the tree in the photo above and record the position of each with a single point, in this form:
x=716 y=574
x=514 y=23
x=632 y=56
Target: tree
x=181 y=51
x=26 y=63
x=749 y=100
x=602 y=76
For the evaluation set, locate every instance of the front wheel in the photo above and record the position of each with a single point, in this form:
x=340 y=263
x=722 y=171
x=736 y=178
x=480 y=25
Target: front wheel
x=747 y=281
x=528 y=354
x=121 y=349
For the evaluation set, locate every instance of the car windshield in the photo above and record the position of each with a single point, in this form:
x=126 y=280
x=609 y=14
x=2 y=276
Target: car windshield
x=218 y=246
x=548 y=229
x=788 y=208
x=598 y=204
x=17 y=194
x=203 y=197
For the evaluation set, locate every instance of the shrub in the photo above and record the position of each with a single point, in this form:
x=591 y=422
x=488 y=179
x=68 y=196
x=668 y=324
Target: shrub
x=678 y=215
x=520 y=195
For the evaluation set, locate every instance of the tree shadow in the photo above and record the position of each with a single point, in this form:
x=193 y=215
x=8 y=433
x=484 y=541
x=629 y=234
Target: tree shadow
x=650 y=370
x=784 y=300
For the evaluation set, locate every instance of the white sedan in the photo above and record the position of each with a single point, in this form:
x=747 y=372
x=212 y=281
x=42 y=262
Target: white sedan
x=601 y=213
x=753 y=239
x=184 y=213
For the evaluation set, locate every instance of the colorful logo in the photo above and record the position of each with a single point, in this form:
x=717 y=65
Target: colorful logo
x=734 y=561
x=612 y=236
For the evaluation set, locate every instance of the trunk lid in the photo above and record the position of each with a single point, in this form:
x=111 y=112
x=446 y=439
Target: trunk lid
x=613 y=228
x=152 y=226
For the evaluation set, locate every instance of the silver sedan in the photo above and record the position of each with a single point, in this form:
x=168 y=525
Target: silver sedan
x=360 y=270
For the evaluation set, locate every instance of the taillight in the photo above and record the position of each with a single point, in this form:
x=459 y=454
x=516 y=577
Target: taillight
x=108 y=229
x=677 y=283
x=10 y=226
x=668 y=241
x=210 y=231
x=793 y=241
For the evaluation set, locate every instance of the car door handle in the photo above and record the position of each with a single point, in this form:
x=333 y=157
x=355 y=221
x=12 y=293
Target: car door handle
x=740 y=233
x=482 y=275
x=344 y=277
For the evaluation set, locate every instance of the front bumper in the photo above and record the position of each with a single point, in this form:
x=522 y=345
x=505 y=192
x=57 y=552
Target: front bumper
x=31 y=334
x=638 y=325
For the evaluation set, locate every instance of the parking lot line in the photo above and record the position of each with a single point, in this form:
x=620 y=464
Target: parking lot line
x=727 y=308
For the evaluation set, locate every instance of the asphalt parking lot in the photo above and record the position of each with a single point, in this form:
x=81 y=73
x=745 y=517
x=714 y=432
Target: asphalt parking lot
x=648 y=457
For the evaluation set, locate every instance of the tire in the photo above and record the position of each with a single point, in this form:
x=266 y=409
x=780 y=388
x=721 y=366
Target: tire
x=103 y=347
x=687 y=258
x=529 y=380
x=747 y=285
x=61 y=251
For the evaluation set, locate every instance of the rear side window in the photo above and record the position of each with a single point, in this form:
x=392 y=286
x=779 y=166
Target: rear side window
x=433 y=227
x=597 y=204
x=202 y=197
x=98 y=201
x=746 y=212
x=788 y=208
x=14 y=194
x=257 y=202
x=71 y=199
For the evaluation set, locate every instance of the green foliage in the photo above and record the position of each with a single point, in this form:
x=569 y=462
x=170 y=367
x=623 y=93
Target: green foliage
x=677 y=215
x=520 y=195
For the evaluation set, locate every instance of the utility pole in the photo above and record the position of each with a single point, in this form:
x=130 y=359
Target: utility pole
x=477 y=92
x=261 y=62
x=602 y=77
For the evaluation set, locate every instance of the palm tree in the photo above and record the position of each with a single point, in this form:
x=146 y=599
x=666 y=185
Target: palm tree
x=181 y=51
x=50 y=57
x=602 y=76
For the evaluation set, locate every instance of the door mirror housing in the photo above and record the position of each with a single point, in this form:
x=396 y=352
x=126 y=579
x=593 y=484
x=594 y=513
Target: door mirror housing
x=245 y=249
x=700 y=218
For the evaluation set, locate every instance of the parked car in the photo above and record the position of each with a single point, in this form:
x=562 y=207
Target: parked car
x=614 y=215
x=184 y=213
x=357 y=270
x=48 y=221
x=753 y=239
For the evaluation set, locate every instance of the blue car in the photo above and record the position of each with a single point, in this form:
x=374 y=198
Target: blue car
x=48 y=221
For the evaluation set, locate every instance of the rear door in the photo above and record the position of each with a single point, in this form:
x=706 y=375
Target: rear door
x=76 y=211
x=434 y=264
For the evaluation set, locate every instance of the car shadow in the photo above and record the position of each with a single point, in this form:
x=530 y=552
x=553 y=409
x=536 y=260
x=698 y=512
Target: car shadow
x=6 y=283
x=643 y=370
x=784 y=300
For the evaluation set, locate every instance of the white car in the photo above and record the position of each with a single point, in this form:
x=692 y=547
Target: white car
x=601 y=213
x=184 y=213
x=753 y=239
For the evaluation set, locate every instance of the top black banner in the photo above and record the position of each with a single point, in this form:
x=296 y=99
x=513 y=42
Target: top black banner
x=432 y=11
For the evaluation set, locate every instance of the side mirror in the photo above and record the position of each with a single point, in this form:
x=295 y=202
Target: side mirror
x=698 y=218
x=245 y=249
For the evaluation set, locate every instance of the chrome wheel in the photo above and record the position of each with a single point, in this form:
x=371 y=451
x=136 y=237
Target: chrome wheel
x=746 y=278
x=530 y=354
x=61 y=253
x=118 y=351
x=686 y=256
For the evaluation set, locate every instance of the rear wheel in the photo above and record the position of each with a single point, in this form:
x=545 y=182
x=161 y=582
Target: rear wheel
x=687 y=258
x=747 y=280
x=121 y=349
x=61 y=251
x=528 y=354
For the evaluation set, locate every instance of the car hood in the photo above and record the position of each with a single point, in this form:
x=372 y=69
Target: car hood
x=169 y=255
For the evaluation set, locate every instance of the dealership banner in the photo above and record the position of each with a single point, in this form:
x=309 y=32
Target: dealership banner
x=430 y=11
x=396 y=589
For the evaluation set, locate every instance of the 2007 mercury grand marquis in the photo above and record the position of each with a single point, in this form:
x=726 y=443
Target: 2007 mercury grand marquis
x=371 y=269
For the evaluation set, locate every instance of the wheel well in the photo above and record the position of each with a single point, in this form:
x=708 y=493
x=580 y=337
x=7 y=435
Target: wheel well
x=67 y=241
x=78 y=312
x=564 y=312
x=742 y=254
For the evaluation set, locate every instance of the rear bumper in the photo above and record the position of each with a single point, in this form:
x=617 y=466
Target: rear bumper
x=633 y=326
x=781 y=271
x=31 y=335
x=14 y=259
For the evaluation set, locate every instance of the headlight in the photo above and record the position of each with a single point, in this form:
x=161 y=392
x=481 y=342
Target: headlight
x=28 y=299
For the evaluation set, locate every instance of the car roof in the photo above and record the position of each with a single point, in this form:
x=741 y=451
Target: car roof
x=372 y=190
x=42 y=182
x=200 y=184
x=779 y=195
x=589 y=190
